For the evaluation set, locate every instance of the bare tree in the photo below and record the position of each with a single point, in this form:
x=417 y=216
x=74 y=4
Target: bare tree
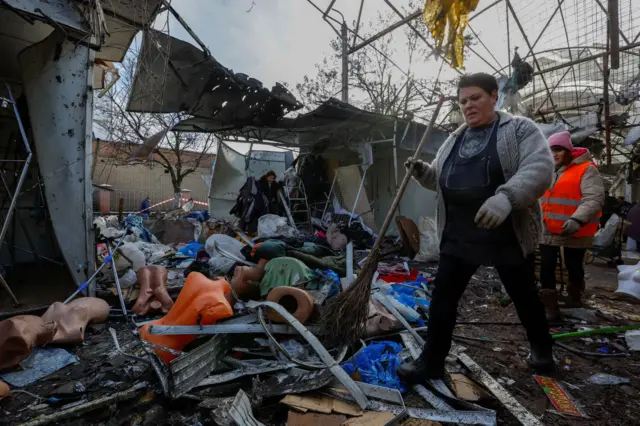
x=179 y=154
x=375 y=82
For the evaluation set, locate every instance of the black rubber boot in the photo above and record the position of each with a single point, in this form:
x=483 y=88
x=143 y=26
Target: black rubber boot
x=417 y=371
x=542 y=360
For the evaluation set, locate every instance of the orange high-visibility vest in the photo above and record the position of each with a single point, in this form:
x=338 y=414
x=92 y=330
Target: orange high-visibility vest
x=562 y=201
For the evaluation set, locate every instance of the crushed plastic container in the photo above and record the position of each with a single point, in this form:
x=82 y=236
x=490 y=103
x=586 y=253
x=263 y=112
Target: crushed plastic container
x=201 y=301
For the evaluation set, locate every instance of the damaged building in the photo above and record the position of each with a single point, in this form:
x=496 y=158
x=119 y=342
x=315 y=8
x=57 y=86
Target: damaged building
x=225 y=313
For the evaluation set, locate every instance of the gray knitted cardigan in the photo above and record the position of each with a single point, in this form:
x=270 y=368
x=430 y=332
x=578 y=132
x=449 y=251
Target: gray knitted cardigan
x=528 y=170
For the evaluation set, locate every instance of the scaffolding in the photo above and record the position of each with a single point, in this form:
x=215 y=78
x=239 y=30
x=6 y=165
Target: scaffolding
x=585 y=56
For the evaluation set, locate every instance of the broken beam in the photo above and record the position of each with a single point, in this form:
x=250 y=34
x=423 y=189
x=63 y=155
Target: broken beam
x=522 y=414
x=585 y=59
x=89 y=406
x=386 y=31
x=177 y=330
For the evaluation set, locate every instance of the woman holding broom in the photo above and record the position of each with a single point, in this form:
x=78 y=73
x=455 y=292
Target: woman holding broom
x=488 y=176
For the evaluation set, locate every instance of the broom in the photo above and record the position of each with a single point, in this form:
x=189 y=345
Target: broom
x=343 y=320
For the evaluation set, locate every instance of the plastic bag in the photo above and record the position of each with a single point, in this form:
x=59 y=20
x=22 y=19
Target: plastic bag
x=605 y=236
x=129 y=279
x=376 y=365
x=219 y=263
x=607 y=379
x=429 y=242
x=271 y=226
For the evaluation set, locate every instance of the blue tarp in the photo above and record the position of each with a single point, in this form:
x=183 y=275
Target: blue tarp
x=41 y=363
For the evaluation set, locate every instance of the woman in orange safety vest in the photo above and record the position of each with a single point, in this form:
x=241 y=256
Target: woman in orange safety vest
x=571 y=210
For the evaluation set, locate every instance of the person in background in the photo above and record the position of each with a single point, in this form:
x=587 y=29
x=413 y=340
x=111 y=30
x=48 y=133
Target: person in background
x=571 y=209
x=269 y=187
x=488 y=176
x=144 y=208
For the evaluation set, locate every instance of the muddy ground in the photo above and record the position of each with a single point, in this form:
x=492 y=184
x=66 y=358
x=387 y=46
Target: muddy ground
x=504 y=352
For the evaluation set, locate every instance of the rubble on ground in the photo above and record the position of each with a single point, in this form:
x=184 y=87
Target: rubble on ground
x=223 y=329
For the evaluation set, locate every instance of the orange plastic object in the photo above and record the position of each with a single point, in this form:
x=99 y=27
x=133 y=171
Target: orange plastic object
x=201 y=301
x=296 y=301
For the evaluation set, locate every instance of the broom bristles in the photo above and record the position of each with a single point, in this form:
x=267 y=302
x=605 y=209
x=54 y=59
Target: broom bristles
x=344 y=319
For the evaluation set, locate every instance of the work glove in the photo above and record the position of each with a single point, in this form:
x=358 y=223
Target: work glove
x=570 y=227
x=493 y=212
x=419 y=167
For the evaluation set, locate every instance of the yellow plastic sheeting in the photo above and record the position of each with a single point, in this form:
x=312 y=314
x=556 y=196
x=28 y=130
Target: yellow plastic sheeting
x=454 y=14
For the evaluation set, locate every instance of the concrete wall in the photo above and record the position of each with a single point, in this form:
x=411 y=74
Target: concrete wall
x=134 y=182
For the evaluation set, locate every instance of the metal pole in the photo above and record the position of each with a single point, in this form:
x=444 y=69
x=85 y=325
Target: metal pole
x=535 y=60
x=605 y=95
x=115 y=277
x=395 y=157
x=186 y=27
x=23 y=175
x=355 y=204
x=614 y=34
x=345 y=64
x=585 y=59
x=386 y=31
x=324 y=15
x=355 y=33
x=104 y=263
x=333 y=184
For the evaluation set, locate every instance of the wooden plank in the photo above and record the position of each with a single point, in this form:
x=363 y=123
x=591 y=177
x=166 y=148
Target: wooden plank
x=371 y=418
x=522 y=414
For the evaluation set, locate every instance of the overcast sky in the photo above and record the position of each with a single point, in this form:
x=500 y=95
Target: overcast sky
x=283 y=40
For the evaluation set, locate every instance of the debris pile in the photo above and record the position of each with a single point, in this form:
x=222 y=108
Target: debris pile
x=228 y=325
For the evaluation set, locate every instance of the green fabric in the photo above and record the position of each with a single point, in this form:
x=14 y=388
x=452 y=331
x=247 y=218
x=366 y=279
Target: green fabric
x=335 y=263
x=284 y=271
x=271 y=249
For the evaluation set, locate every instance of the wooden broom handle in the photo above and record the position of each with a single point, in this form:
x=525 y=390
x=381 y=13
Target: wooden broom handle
x=405 y=181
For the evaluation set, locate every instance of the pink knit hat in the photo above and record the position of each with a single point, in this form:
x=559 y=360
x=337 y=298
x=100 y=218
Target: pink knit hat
x=562 y=139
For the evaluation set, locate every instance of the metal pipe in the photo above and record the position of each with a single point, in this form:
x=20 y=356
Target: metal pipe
x=23 y=175
x=355 y=204
x=395 y=154
x=605 y=95
x=186 y=27
x=585 y=59
x=324 y=15
x=526 y=39
x=345 y=61
x=333 y=184
x=560 y=2
x=355 y=33
x=614 y=34
x=386 y=31
x=104 y=262
x=117 y=280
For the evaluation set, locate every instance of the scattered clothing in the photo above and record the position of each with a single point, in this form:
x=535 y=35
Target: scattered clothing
x=285 y=271
x=251 y=203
